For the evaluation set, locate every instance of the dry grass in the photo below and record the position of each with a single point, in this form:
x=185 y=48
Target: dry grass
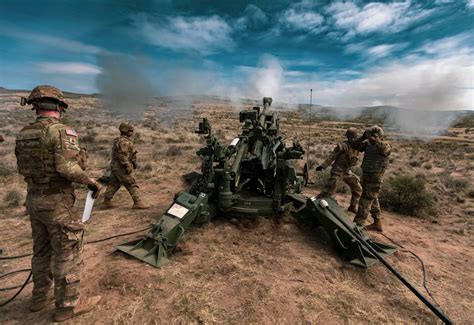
x=265 y=273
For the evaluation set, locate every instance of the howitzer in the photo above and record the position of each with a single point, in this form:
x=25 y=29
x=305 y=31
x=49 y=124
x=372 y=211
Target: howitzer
x=253 y=176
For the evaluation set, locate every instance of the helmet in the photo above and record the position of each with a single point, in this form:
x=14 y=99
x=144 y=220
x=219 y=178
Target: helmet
x=125 y=127
x=351 y=133
x=45 y=91
x=377 y=131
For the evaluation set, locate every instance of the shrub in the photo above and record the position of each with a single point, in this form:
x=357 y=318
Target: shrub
x=13 y=198
x=414 y=163
x=173 y=151
x=89 y=137
x=147 y=167
x=407 y=195
x=455 y=184
x=5 y=170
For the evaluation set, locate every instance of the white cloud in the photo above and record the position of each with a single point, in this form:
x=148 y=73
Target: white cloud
x=446 y=46
x=303 y=62
x=295 y=73
x=205 y=35
x=375 y=16
x=442 y=2
x=380 y=50
x=253 y=17
x=302 y=20
x=74 y=68
x=52 y=41
x=438 y=83
x=470 y=3
x=376 y=51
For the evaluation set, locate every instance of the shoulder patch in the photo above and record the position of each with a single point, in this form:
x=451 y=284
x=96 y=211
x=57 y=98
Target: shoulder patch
x=71 y=132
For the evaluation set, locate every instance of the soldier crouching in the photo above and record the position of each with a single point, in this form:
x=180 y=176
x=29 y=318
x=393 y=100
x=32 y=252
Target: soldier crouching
x=123 y=163
x=376 y=152
x=48 y=157
x=341 y=160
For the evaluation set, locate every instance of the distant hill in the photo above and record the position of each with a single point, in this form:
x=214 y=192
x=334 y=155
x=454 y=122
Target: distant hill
x=386 y=115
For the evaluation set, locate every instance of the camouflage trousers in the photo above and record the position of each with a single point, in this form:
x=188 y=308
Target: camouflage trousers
x=119 y=178
x=57 y=247
x=369 y=201
x=350 y=179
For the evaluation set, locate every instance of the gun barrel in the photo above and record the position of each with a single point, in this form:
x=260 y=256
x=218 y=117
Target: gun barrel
x=267 y=101
x=235 y=169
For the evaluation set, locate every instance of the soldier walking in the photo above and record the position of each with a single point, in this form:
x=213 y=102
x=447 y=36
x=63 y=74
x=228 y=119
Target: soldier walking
x=122 y=165
x=341 y=159
x=376 y=151
x=47 y=155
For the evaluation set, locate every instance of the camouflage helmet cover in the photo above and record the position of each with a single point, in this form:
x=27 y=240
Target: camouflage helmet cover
x=351 y=133
x=46 y=91
x=125 y=127
x=375 y=131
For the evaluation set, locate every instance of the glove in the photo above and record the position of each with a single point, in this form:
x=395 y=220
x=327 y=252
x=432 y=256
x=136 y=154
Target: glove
x=129 y=169
x=319 y=168
x=95 y=188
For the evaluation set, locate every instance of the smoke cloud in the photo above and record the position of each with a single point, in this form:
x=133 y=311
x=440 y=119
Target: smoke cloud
x=124 y=85
x=268 y=77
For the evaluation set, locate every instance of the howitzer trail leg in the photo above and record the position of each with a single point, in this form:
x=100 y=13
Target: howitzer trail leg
x=158 y=245
x=330 y=216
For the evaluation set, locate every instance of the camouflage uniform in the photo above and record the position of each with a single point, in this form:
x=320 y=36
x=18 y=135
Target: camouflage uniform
x=342 y=158
x=122 y=165
x=375 y=162
x=47 y=157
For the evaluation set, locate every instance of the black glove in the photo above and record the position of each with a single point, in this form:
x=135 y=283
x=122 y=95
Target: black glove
x=95 y=188
x=319 y=168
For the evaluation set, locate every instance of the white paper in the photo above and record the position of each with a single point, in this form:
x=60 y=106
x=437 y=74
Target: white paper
x=234 y=142
x=177 y=210
x=88 y=207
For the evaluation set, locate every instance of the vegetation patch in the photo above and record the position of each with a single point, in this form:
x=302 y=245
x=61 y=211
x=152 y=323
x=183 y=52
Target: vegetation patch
x=407 y=195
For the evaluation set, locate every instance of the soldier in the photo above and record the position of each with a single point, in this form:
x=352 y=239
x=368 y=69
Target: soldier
x=341 y=159
x=122 y=165
x=376 y=152
x=47 y=155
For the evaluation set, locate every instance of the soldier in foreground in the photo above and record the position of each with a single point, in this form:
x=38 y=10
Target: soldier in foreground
x=376 y=152
x=122 y=165
x=47 y=155
x=341 y=159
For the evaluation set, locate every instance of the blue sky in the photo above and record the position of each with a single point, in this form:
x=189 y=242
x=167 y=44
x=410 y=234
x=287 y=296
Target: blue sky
x=413 y=54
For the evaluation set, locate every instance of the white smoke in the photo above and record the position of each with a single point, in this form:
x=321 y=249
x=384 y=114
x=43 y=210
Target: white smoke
x=268 y=78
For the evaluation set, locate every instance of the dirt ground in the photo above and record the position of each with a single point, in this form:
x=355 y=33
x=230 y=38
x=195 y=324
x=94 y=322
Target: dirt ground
x=238 y=273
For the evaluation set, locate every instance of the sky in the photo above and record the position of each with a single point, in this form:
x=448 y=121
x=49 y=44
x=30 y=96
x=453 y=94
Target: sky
x=411 y=54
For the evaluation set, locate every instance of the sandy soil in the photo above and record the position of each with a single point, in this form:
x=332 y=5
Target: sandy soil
x=262 y=272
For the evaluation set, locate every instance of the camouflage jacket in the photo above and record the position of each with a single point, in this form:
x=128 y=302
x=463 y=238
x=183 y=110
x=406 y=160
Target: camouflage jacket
x=123 y=155
x=47 y=153
x=375 y=156
x=342 y=158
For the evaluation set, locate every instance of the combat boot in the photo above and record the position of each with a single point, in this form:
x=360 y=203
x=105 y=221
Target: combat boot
x=139 y=205
x=376 y=226
x=41 y=300
x=359 y=221
x=352 y=208
x=84 y=305
x=107 y=204
x=37 y=305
